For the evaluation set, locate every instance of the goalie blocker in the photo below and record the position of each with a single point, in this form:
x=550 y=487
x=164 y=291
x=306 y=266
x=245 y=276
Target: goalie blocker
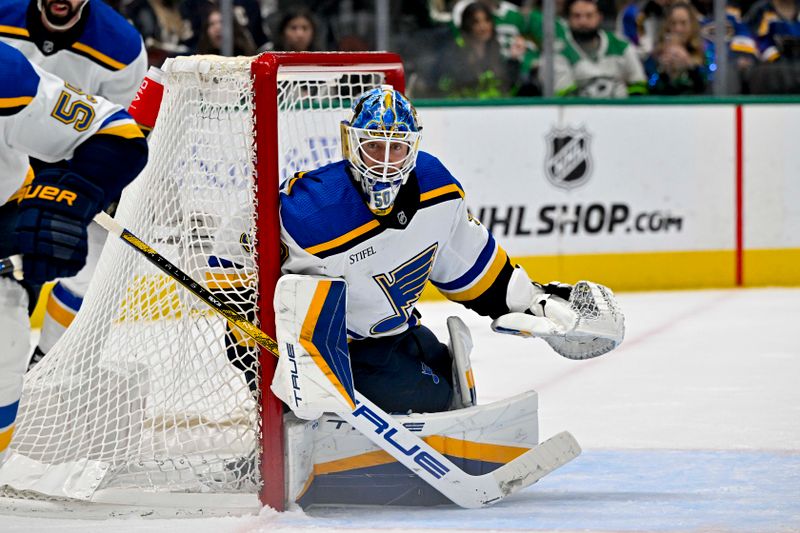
x=333 y=459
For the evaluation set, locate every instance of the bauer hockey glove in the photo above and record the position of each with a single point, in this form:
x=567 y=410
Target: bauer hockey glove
x=51 y=225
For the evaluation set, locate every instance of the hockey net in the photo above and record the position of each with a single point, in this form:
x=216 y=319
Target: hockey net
x=149 y=393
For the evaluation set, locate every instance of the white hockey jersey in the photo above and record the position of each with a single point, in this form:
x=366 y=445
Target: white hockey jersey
x=327 y=230
x=613 y=72
x=44 y=117
x=102 y=54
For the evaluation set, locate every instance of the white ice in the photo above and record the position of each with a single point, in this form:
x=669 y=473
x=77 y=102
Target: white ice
x=693 y=424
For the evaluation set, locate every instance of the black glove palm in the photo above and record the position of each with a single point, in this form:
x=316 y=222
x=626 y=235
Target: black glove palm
x=562 y=290
x=51 y=225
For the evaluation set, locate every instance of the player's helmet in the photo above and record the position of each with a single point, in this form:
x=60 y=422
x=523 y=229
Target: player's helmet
x=381 y=142
x=59 y=24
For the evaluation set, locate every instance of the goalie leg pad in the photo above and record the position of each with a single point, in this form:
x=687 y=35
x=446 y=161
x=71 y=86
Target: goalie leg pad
x=313 y=374
x=329 y=462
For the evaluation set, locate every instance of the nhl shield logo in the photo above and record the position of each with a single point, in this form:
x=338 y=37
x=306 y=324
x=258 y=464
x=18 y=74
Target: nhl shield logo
x=568 y=164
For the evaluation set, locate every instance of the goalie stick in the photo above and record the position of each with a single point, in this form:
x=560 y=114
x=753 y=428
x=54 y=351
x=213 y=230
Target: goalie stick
x=382 y=429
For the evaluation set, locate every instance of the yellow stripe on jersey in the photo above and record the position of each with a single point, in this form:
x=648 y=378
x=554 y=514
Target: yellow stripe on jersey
x=113 y=63
x=13 y=30
x=349 y=236
x=440 y=191
x=293 y=180
x=127 y=131
x=17 y=101
x=741 y=47
x=500 y=259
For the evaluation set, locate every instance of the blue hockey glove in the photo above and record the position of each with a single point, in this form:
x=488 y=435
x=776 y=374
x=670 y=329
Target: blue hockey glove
x=51 y=225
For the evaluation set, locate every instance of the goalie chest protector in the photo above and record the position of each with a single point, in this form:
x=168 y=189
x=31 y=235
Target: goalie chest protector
x=328 y=230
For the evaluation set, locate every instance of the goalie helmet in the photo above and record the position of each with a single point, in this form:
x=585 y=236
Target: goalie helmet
x=381 y=142
x=64 y=23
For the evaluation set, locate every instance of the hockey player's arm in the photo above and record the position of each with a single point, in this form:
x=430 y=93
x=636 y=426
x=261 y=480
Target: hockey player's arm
x=111 y=161
x=122 y=86
x=472 y=268
x=100 y=139
x=635 y=78
x=475 y=271
x=106 y=151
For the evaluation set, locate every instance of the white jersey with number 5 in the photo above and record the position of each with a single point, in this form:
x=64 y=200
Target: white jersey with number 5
x=43 y=117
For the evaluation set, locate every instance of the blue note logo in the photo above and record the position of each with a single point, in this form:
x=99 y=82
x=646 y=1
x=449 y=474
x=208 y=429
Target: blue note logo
x=403 y=287
x=428 y=371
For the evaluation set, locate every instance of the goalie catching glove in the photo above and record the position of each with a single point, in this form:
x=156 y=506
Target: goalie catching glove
x=578 y=322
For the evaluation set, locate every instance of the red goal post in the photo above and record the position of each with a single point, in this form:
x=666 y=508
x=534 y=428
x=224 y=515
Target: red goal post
x=149 y=402
x=267 y=70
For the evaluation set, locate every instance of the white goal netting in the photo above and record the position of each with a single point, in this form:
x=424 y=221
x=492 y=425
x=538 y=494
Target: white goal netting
x=149 y=391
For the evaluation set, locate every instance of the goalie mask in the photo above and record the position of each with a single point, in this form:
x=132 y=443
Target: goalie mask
x=381 y=142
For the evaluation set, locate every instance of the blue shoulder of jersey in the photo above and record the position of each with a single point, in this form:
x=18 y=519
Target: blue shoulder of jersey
x=24 y=81
x=12 y=19
x=323 y=211
x=436 y=184
x=108 y=39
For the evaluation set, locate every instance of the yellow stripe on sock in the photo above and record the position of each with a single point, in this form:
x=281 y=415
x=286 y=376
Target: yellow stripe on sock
x=5 y=438
x=58 y=313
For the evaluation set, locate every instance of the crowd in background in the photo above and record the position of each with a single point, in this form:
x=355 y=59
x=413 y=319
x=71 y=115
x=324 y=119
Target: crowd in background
x=491 y=48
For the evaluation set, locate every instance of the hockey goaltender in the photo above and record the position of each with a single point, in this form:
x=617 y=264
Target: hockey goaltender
x=362 y=237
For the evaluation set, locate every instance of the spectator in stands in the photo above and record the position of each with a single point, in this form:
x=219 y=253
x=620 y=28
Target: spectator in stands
x=741 y=47
x=246 y=12
x=509 y=22
x=473 y=65
x=679 y=64
x=595 y=63
x=776 y=26
x=297 y=31
x=640 y=23
x=210 y=41
x=163 y=29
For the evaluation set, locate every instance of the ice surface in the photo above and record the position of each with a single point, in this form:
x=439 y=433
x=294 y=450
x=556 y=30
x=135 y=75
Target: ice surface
x=692 y=425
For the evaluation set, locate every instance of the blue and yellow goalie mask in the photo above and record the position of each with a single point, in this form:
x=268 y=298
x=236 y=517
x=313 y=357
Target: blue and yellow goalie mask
x=381 y=142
